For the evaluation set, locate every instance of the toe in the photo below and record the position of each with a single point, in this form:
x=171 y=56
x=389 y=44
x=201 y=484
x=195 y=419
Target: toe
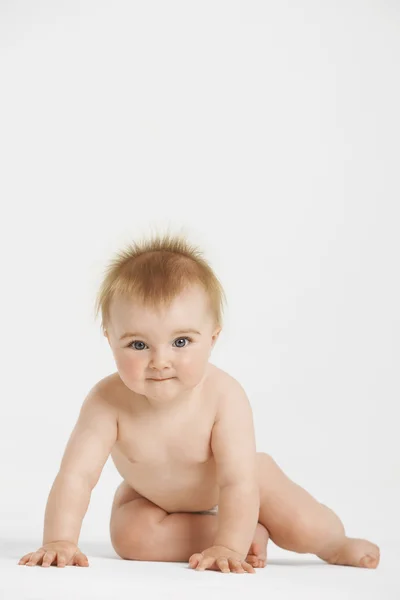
x=369 y=561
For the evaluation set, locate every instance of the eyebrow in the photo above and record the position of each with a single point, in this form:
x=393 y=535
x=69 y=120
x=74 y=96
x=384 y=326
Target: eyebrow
x=179 y=332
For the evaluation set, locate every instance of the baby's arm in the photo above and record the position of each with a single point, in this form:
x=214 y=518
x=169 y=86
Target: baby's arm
x=234 y=448
x=87 y=450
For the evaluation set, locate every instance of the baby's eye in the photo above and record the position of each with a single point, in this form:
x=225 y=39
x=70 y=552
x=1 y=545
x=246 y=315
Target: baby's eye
x=184 y=338
x=136 y=342
x=141 y=348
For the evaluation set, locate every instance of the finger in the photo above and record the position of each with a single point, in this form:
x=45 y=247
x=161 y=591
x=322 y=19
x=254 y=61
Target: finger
x=206 y=563
x=195 y=559
x=24 y=559
x=48 y=558
x=82 y=560
x=61 y=560
x=248 y=568
x=85 y=560
x=235 y=565
x=223 y=564
x=35 y=557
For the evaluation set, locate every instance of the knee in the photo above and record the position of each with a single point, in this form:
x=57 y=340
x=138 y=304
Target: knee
x=264 y=456
x=132 y=546
x=264 y=460
x=135 y=542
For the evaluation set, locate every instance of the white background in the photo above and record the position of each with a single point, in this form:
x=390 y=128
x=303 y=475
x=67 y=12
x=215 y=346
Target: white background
x=270 y=133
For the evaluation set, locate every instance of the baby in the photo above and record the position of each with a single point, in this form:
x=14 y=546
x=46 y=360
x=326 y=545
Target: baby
x=180 y=432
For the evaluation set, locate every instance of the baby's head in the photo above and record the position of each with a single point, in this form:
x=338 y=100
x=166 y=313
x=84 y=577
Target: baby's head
x=161 y=307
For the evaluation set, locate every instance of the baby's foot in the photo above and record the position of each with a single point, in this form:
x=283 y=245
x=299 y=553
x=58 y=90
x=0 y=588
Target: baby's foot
x=356 y=553
x=257 y=555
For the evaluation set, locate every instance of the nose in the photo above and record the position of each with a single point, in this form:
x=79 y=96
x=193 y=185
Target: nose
x=159 y=359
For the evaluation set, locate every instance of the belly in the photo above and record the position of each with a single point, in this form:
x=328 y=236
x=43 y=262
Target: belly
x=175 y=486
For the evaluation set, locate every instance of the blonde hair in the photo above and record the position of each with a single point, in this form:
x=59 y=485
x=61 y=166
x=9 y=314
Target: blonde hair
x=155 y=271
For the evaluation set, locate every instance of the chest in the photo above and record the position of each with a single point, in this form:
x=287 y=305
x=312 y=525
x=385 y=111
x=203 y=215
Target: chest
x=185 y=441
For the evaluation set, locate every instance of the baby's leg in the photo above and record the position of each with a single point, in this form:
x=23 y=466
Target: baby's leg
x=141 y=530
x=296 y=521
x=133 y=523
x=182 y=534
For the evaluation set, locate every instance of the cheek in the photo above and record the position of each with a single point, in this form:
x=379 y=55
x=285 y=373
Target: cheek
x=128 y=364
x=193 y=365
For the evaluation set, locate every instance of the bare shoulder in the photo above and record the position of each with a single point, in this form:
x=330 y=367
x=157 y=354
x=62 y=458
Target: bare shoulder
x=120 y=398
x=228 y=389
x=221 y=378
x=110 y=388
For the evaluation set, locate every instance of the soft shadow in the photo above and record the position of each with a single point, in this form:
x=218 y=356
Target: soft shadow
x=288 y=562
x=278 y=562
x=15 y=549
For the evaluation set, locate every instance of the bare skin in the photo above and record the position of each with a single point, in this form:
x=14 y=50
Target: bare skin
x=155 y=513
x=167 y=417
x=183 y=482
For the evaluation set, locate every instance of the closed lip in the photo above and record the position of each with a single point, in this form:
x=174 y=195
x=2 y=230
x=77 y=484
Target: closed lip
x=166 y=379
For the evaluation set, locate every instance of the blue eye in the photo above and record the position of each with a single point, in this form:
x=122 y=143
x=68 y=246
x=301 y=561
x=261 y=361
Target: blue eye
x=140 y=342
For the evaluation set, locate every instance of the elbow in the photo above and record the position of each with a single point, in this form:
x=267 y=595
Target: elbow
x=77 y=480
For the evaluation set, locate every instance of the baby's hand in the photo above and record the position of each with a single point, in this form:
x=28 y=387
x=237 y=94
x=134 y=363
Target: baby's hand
x=61 y=553
x=220 y=558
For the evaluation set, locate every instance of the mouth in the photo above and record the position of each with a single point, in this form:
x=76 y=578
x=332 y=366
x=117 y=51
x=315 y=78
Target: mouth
x=159 y=380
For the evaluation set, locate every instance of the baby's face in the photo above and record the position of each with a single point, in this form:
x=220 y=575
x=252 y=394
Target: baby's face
x=172 y=344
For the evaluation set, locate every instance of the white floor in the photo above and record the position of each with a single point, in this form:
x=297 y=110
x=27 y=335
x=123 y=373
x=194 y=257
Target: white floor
x=287 y=575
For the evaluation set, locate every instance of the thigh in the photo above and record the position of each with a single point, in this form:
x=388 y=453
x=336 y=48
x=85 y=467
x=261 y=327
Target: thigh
x=123 y=494
x=132 y=522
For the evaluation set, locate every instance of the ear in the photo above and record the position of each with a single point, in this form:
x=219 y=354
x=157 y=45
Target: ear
x=215 y=335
